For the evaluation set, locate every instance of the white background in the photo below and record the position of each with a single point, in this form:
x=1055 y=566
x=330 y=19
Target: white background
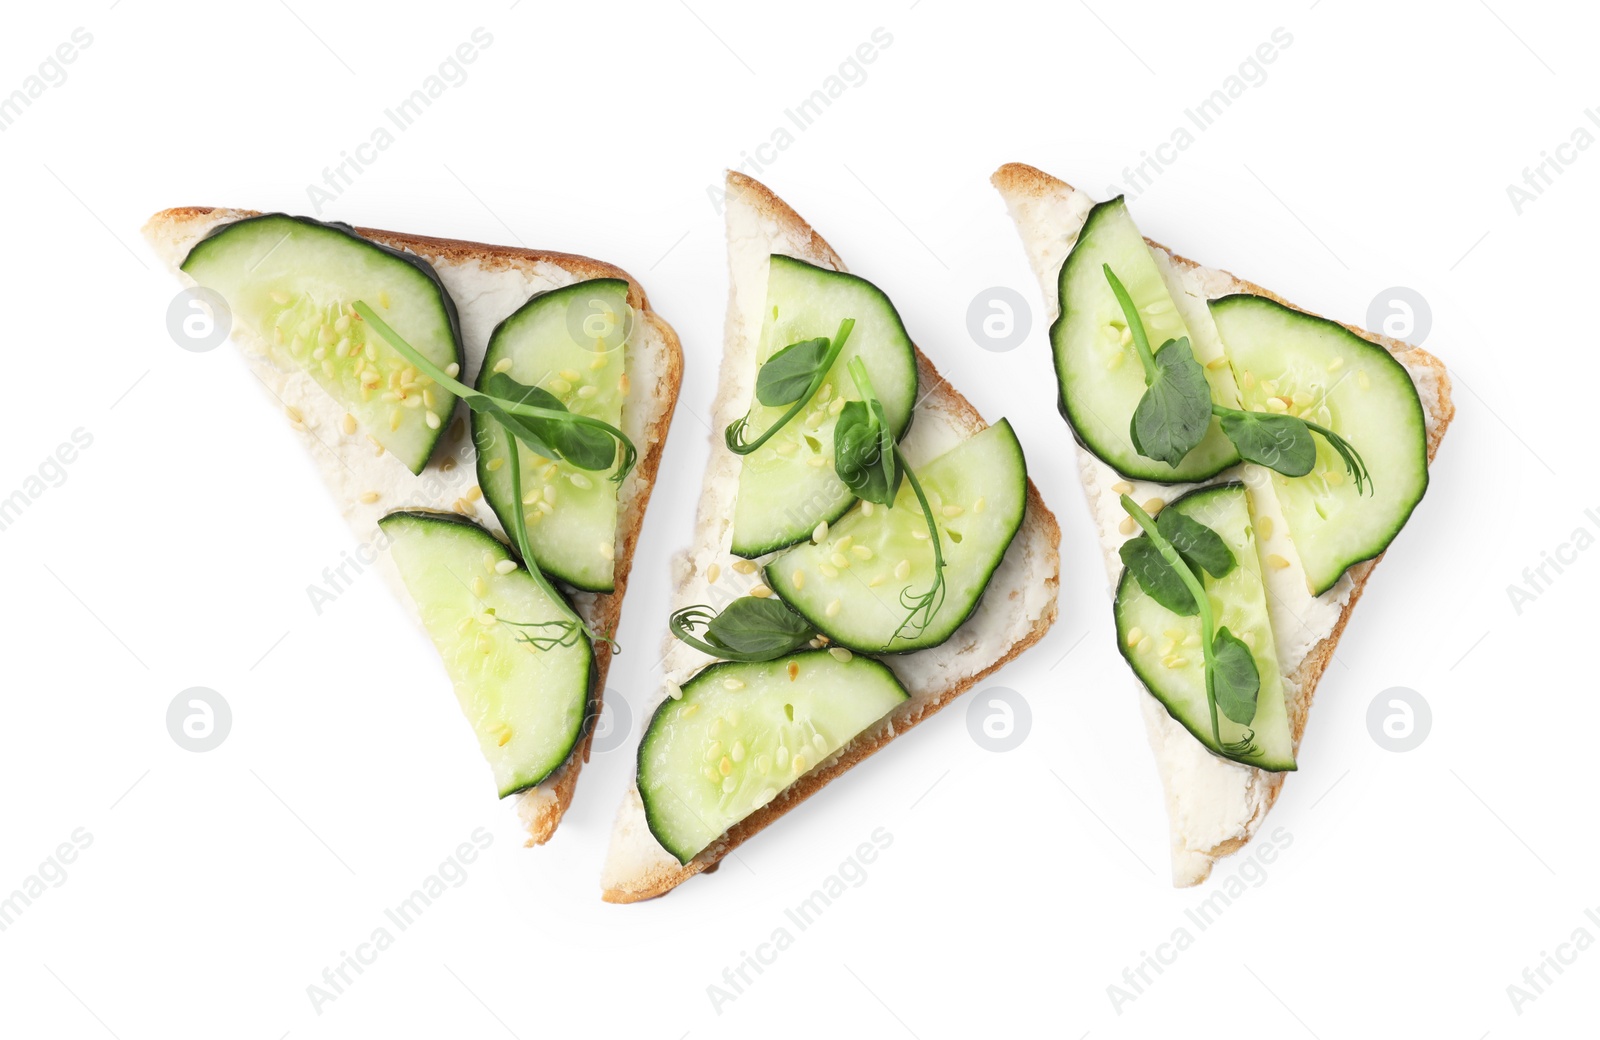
x=1018 y=886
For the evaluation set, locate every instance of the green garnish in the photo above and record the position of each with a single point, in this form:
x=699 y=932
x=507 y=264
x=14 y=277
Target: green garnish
x=870 y=463
x=1232 y=681
x=1173 y=415
x=792 y=376
x=748 y=629
x=530 y=414
x=535 y=417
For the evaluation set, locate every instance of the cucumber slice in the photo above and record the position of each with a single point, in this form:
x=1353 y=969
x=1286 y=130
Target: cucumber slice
x=784 y=491
x=740 y=733
x=1321 y=371
x=1176 y=673
x=1097 y=368
x=852 y=584
x=292 y=280
x=526 y=705
x=571 y=513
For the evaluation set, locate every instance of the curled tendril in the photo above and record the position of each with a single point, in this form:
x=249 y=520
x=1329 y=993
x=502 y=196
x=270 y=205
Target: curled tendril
x=1244 y=747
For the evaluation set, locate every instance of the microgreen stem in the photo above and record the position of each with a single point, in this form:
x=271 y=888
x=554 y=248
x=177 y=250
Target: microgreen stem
x=1130 y=314
x=481 y=402
x=1203 y=601
x=926 y=603
x=734 y=435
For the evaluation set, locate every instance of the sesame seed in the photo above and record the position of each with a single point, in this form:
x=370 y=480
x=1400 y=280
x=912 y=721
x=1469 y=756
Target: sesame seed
x=920 y=535
x=580 y=481
x=1154 y=505
x=474 y=493
x=608 y=550
x=866 y=508
x=348 y=424
x=744 y=567
x=713 y=751
x=798 y=763
x=1264 y=527
x=828 y=570
x=794 y=673
x=780 y=757
x=820 y=533
x=837 y=406
x=1248 y=380
x=369 y=497
x=1301 y=399
x=505 y=731
x=1277 y=404
x=877 y=579
x=786 y=448
x=1166 y=648
x=570 y=375
x=549 y=472
x=495 y=463
x=1336 y=364
x=676 y=693
x=503 y=365
x=394 y=419
x=725 y=767
x=294 y=414
x=833 y=608
x=1276 y=562
x=840 y=561
x=977 y=506
x=819 y=741
x=505 y=567
x=1175 y=662
x=480 y=588
x=840 y=654
x=531 y=497
x=760 y=591
x=1134 y=635
x=952 y=511
x=279 y=297
x=598 y=363
x=763 y=764
x=861 y=552
x=1127 y=526
x=737 y=751
x=559 y=386
x=798 y=578
x=816 y=462
x=545 y=508
x=1122 y=487
x=486 y=619
x=432 y=419
x=902 y=570
x=588 y=391
x=622 y=385
x=1362 y=381
x=713 y=572
x=1216 y=363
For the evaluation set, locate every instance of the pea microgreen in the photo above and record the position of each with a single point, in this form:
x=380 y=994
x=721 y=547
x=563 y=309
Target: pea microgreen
x=748 y=629
x=791 y=377
x=1232 y=680
x=1172 y=417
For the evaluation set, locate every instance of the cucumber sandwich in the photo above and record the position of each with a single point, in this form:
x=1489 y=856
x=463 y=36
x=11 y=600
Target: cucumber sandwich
x=1246 y=463
x=509 y=523
x=867 y=548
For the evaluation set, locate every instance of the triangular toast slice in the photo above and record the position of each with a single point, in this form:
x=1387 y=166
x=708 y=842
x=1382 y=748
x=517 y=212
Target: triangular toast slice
x=1214 y=806
x=1016 y=611
x=487 y=283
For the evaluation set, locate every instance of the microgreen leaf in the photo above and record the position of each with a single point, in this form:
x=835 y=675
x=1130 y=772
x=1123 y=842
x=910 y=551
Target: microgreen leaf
x=1279 y=442
x=787 y=374
x=863 y=444
x=734 y=434
x=552 y=427
x=1199 y=545
x=1235 y=680
x=748 y=629
x=1175 y=411
x=1157 y=577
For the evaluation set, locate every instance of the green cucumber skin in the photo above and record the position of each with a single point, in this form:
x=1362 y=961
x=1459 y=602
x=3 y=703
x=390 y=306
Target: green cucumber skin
x=446 y=302
x=592 y=704
x=1377 y=355
x=1058 y=330
x=756 y=551
x=710 y=674
x=553 y=568
x=933 y=636
x=1202 y=737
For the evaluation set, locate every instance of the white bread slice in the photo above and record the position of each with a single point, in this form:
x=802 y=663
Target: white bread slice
x=1017 y=609
x=487 y=283
x=1213 y=806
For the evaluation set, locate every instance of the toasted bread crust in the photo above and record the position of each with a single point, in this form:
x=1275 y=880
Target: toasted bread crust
x=1038 y=522
x=605 y=611
x=1021 y=179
